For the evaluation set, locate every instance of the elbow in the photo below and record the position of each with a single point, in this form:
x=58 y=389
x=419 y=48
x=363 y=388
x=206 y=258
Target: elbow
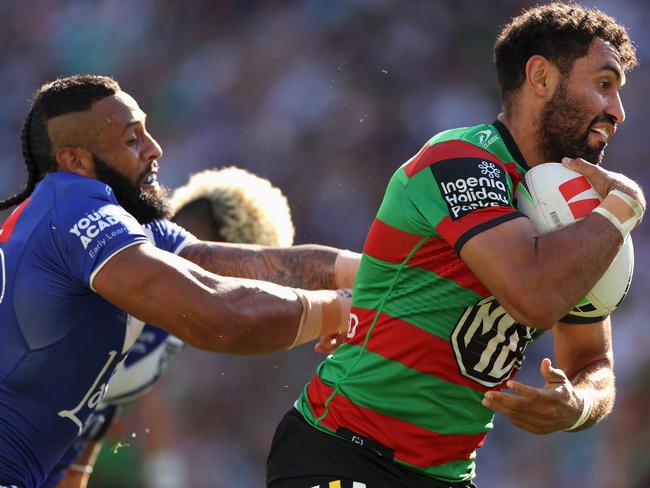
x=531 y=307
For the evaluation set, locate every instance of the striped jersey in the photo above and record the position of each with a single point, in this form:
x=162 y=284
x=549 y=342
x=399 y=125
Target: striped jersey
x=426 y=339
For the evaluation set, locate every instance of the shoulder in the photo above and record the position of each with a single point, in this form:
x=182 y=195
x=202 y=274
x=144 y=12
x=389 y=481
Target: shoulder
x=73 y=192
x=464 y=143
x=481 y=136
x=71 y=185
x=167 y=235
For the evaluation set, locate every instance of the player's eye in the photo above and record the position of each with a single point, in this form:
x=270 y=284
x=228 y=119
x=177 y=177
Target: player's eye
x=604 y=84
x=132 y=140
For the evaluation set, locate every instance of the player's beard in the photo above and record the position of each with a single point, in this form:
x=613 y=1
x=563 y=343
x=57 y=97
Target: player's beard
x=145 y=206
x=563 y=130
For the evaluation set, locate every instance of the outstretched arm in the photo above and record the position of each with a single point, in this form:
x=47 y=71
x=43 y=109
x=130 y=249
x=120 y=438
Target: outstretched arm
x=307 y=266
x=209 y=311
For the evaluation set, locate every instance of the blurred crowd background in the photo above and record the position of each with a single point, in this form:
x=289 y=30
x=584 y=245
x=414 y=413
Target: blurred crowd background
x=325 y=98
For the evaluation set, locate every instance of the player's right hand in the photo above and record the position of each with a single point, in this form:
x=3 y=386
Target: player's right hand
x=605 y=181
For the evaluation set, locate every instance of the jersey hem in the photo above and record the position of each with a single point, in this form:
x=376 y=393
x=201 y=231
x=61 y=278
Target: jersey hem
x=462 y=240
x=188 y=241
x=101 y=265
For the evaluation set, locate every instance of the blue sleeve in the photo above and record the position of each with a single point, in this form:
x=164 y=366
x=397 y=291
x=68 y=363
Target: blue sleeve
x=92 y=228
x=168 y=236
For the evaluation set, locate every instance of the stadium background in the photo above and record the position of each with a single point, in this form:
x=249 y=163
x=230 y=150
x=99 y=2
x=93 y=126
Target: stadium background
x=325 y=98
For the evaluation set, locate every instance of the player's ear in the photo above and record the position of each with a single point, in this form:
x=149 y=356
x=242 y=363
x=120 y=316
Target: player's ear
x=542 y=76
x=75 y=160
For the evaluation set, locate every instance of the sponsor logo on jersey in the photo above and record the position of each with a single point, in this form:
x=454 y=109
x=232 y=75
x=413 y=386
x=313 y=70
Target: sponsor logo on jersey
x=470 y=183
x=92 y=398
x=488 y=343
x=88 y=228
x=485 y=137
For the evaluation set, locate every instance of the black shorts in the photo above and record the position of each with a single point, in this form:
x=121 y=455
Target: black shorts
x=302 y=456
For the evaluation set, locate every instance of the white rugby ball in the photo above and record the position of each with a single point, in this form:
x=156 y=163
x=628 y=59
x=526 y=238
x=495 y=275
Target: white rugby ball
x=553 y=196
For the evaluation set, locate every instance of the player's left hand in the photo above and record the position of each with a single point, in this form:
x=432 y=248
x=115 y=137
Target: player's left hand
x=554 y=407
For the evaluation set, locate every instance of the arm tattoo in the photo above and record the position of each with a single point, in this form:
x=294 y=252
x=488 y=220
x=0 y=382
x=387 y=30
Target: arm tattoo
x=309 y=267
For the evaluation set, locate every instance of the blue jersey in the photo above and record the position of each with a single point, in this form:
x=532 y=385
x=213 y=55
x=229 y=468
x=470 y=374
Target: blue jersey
x=59 y=340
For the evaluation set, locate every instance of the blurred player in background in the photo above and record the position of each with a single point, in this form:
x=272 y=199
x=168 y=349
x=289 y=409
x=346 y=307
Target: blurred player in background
x=88 y=257
x=455 y=282
x=226 y=205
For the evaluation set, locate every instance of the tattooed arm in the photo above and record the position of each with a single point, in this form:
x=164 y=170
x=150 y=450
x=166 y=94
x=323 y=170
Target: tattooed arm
x=307 y=266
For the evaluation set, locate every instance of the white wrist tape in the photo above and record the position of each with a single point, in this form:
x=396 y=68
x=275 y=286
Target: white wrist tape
x=324 y=312
x=311 y=320
x=587 y=405
x=345 y=268
x=623 y=211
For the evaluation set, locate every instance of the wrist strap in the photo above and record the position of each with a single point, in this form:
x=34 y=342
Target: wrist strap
x=623 y=211
x=324 y=312
x=345 y=268
x=81 y=468
x=587 y=405
x=311 y=320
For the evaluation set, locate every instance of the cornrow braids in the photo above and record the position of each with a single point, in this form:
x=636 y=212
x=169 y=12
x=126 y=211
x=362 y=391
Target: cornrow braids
x=61 y=96
x=32 y=170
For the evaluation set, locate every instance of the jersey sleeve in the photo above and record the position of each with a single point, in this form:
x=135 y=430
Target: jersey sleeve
x=92 y=227
x=461 y=190
x=169 y=236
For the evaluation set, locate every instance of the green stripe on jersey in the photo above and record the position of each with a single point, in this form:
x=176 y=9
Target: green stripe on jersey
x=479 y=137
x=419 y=297
x=405 y=197
x=377 y=381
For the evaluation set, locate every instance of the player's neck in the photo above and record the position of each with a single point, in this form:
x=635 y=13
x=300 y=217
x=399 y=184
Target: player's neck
x=522 y=127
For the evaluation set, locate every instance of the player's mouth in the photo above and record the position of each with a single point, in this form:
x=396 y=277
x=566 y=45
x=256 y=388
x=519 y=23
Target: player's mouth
x=603 y=132
x=150 y=181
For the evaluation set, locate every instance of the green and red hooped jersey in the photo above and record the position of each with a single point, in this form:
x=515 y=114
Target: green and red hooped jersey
x=426 y=338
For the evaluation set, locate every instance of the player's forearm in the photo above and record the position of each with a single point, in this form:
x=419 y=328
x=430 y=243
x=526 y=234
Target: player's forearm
x=213 y=312
x=308 y=267
x=595 y=385
x=253 y=317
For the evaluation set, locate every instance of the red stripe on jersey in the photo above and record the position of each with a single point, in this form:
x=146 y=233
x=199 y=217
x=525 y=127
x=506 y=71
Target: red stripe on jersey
x=452 y=230
x=446 y=150
x=389 y=244
x=411 y=346
x=10 y=223
x=392 y=245
x=414 y=445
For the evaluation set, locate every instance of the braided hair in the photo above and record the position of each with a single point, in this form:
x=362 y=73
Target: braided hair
x=61 y=96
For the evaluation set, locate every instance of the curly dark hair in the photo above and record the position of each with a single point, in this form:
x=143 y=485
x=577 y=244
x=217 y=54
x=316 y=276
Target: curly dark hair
x=61 y=96
x=562 y=33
